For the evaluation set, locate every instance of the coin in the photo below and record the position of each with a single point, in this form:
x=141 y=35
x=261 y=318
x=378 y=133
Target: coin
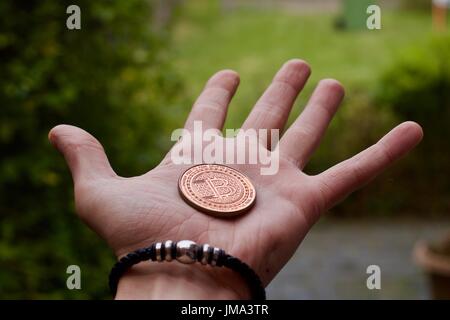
x=217 y=190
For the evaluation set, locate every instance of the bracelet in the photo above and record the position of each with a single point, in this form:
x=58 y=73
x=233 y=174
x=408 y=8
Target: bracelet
x=187 y=252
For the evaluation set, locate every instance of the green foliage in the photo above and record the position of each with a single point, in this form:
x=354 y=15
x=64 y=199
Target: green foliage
x=416 y=4
x=110 y=78
x=417 y=87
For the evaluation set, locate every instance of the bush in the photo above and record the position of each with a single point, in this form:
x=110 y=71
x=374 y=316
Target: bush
x=111 y=78
x=416 y=4
x=417 y=87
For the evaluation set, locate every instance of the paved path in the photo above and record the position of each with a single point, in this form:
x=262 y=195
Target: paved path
x=331 y=262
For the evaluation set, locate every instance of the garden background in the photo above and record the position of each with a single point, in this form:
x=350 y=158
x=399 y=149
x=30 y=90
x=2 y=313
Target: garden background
x=129 y=77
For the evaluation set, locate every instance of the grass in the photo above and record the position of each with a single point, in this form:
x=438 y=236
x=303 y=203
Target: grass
x=257 y=42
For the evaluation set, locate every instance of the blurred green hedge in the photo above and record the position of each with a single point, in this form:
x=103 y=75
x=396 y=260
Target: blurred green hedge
x=417 y=87
x=414 y=86
x=110 y=78
x=416 y=4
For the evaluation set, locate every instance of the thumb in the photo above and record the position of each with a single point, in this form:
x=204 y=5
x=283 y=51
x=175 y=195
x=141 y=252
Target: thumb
x=83 y=153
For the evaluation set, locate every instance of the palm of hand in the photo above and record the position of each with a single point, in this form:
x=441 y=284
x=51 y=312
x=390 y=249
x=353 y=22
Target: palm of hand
x=145 y=209
x=130 y=213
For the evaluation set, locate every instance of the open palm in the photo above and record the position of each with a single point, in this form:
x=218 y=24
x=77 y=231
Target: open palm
x=130 y=213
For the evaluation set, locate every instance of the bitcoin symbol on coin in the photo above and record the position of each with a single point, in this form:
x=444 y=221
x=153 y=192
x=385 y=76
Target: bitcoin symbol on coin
x=217 y=190
x=220 y=187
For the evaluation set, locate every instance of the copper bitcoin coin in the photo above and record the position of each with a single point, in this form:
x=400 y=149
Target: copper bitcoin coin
x=217 y=190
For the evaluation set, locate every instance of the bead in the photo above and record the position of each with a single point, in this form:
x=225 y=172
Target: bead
x=186 y=251
x=168 y=247
x=205 y=248
x=158 y=247
x=215 y=256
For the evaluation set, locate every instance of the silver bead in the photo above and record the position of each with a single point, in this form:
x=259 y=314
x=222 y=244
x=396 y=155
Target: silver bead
x=168 y=249
x=186 y=251
x=215 y=257
x=205 y=254
x=158 y=247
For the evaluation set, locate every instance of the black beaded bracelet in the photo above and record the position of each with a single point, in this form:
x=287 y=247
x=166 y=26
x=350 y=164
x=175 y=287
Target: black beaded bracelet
x=187 y=252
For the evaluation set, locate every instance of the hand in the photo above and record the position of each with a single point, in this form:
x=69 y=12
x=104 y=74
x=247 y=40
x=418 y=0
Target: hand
x=131 y=213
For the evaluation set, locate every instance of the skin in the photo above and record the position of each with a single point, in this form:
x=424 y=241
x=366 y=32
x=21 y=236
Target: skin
x=130 y=213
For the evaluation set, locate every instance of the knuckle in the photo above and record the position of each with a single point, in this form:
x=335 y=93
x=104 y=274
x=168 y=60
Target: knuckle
x=385 y=152
x=304 y=132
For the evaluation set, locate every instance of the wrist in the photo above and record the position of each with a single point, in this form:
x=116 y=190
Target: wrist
x=173 y=280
